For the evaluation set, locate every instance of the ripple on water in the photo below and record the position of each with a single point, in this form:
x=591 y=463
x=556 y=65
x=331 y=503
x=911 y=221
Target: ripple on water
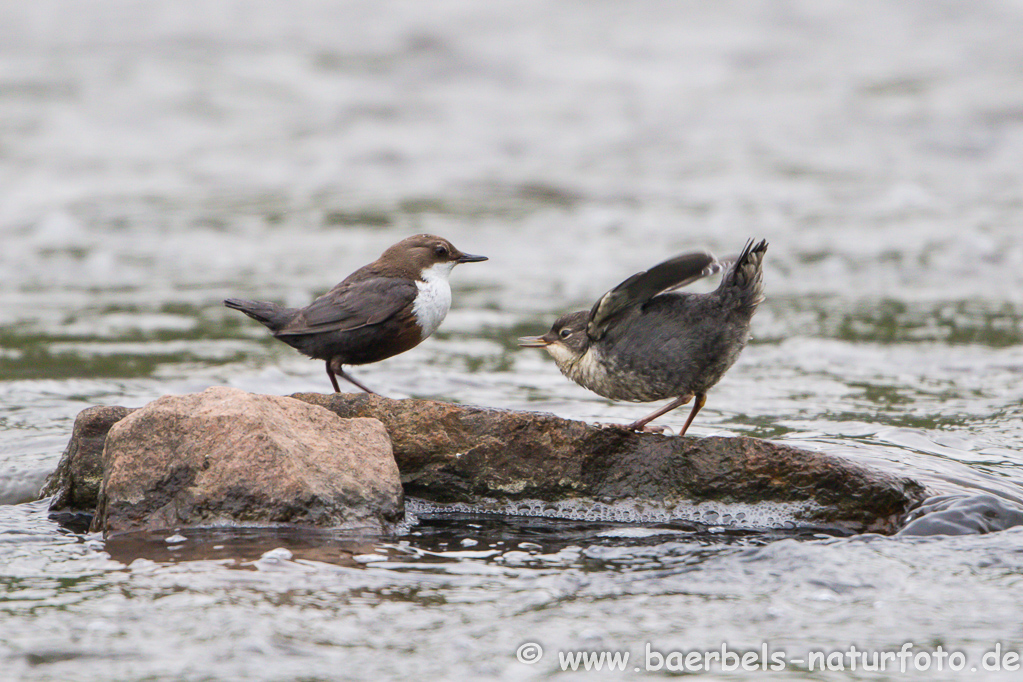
x=875 y=145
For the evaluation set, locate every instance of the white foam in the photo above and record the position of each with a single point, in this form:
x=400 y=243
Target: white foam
x=278 y=554
x=763 y=515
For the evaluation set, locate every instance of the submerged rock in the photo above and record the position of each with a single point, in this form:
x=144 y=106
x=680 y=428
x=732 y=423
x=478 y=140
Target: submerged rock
x=454 y=454
x=224 y=457
x=963 y=515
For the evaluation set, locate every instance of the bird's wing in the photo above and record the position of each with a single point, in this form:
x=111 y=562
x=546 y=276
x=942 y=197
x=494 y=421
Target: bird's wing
x=353 y=305
x=641 y=287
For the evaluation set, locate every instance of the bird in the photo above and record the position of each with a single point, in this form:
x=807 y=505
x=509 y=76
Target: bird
x=380 y=310
x=644 y=341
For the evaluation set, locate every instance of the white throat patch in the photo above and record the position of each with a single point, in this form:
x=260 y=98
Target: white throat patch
x=434 y=298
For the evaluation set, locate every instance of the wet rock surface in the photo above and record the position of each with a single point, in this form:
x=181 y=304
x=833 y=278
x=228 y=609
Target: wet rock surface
x=226 y=457
x=450 y=453
x=455 y=453
x=963 y=515
x=76 y=482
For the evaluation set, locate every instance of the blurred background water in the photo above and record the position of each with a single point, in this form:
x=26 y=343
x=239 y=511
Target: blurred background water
x=156 y=158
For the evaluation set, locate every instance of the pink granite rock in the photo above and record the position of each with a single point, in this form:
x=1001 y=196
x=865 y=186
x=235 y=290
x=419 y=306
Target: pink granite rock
x=227 y=457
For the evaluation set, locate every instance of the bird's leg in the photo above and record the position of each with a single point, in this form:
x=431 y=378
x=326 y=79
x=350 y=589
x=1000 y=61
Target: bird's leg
x=349 y=377
x=333 y=379
x=337 y=370
x=701 y=400
x=677 y=402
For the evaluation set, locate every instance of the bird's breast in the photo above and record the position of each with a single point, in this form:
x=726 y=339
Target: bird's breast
x=433 y=300
x=594 y=370
x=589 y=369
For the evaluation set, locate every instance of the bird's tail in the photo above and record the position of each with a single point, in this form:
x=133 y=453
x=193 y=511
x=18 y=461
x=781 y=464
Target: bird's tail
x=271 y=315
x=744 y=282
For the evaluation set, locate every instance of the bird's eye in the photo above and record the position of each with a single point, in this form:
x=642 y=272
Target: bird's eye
x=441 y=251
x=565 y=333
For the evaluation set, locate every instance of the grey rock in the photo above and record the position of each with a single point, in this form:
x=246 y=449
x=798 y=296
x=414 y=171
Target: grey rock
x=963 y=515
x=227 y=457
x=471 y=455
x=452 y=453
x=75 y=483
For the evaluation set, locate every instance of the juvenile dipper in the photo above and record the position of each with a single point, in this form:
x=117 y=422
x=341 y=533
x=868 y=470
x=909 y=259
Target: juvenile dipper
x=642 y=341
x=380 y=310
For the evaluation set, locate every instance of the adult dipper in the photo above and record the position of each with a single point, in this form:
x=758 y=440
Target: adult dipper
x=380 y=310
x=642 y=341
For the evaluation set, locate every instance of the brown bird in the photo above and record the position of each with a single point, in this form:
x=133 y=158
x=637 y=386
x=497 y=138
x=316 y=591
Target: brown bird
x=380 y=310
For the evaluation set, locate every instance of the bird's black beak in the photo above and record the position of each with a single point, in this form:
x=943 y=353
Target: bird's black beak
x=469 y=258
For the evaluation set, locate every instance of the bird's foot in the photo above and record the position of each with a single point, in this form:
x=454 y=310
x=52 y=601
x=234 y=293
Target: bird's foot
x=643 y=428
x=649 y=428
x=663 y=430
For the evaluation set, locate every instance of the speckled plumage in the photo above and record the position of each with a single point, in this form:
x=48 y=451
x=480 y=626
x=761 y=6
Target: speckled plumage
x=643 y=342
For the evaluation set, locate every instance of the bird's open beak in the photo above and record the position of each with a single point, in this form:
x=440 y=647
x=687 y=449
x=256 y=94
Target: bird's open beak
x=533 y=342
x=469 y=258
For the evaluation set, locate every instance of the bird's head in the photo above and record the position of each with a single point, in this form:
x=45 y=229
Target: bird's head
x=566 y=341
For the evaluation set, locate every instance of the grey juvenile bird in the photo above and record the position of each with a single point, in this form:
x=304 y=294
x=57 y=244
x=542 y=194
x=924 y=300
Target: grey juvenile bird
x=380 y=310
x=642 y=341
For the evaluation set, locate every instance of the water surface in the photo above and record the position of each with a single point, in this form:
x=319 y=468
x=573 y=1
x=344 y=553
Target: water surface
x=157 y=159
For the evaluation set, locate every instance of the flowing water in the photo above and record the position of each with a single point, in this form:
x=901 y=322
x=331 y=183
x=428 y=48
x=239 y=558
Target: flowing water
x=156 y=158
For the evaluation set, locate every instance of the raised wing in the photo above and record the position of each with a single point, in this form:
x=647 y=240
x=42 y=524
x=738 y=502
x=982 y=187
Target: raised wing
x=641 y=287
x=352 y=305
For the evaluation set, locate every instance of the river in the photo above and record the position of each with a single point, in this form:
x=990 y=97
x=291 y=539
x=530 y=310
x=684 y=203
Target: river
x=156 y=158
